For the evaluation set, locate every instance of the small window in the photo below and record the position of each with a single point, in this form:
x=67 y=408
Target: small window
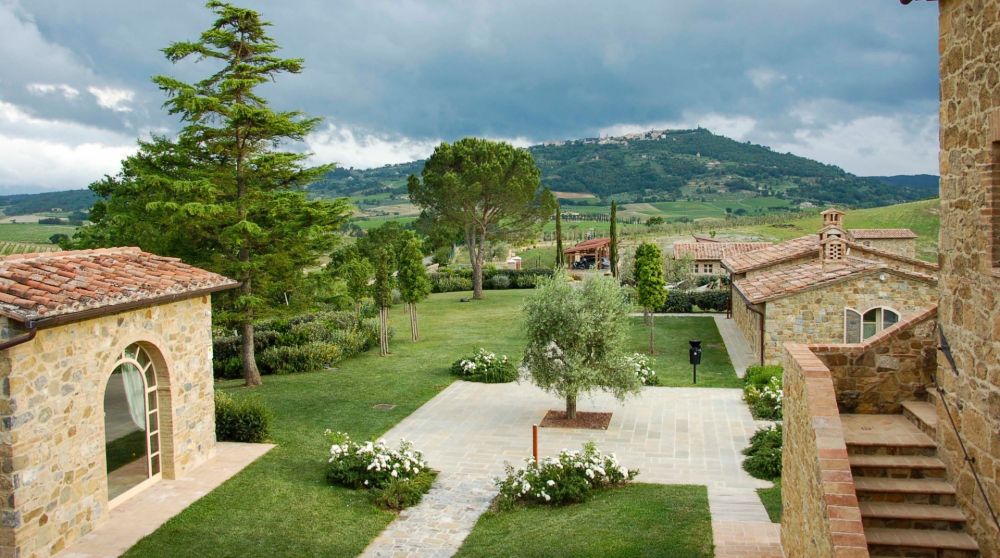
x=858 y=327
x=696 y=268
x=709 y=268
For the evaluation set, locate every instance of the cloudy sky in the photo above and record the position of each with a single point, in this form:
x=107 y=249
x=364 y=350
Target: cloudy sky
x=852 y=83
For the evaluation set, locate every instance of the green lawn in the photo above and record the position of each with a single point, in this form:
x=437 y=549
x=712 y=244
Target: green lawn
x=670 y=340
x=32 y=232
x=771 y=498
x=281 y=505
x=637 y=520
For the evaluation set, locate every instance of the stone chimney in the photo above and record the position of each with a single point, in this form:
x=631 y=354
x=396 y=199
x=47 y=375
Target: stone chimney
x=832 y=238
x=833 y=218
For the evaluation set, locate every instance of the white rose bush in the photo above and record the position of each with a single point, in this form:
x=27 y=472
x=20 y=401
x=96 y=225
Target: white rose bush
x=485 y=366
x=396 y=477
x=568 y=478
x=640 y=363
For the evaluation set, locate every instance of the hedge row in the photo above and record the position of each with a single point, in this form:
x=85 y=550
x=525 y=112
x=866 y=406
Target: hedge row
x=446 y=281
x=707 y=301
x=299 y=344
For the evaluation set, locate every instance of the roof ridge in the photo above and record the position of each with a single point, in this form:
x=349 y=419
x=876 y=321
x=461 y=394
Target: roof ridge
x=72 y=253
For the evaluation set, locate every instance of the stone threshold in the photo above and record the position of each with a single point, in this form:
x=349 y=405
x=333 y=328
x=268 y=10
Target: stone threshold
x=145 y=512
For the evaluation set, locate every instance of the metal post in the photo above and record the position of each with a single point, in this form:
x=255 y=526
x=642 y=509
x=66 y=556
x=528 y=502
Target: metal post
x=534 y=442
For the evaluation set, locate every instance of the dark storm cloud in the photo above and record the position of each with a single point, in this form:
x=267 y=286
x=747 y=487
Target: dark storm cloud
x=409 y=71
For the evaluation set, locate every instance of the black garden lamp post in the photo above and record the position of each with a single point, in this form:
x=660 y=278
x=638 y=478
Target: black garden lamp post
x=694 y=357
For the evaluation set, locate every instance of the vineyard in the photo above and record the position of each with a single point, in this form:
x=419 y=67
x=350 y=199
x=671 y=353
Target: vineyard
x=8 y=248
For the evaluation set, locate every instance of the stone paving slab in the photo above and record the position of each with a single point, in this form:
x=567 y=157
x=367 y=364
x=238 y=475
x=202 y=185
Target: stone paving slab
x=469 y=430
x=740 y=353
x=145 y=512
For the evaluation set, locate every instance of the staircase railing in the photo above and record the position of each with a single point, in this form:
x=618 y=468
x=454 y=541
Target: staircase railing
x=945 y=348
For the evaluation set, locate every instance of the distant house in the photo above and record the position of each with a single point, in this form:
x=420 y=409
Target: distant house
x=707 y=253
x=824 y=288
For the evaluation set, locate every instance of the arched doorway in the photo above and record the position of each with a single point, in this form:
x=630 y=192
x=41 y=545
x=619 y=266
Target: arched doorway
x=131 y=423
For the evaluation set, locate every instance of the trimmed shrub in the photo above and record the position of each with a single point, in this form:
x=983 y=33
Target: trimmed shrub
x=300 y=358
x=706 y=301
x=486 y=367
x=497 y=282
x=450 y=284
x=244 y=419
x=446 y=280
x=571 y=477
x=398 y=478
x=763 y=392
x=764 y=453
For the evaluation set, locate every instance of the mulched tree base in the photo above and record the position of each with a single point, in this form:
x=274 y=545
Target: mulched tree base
x=593 y=421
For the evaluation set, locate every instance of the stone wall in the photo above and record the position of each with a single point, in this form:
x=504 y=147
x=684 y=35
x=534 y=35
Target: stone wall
x=878 y=375
x=52 y=436
x=906 y=247
x=970 y=286
x=817 y=315
x=747 y=322
x=895 y=261
x=821 y=515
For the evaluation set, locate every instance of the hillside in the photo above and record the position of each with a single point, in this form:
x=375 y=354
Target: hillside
x=694 y=166
x=922 y=217
x=66 y=201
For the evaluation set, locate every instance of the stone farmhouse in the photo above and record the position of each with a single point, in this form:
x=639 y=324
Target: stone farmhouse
x=892 y=446
x=825 y=288
x=706 y=254
x=105 y=360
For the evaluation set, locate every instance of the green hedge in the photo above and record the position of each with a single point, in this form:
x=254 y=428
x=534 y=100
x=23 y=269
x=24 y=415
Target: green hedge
x=245 y=419
x=764 y=453
x=450 y=280
x=298 y=344
x=706 y=301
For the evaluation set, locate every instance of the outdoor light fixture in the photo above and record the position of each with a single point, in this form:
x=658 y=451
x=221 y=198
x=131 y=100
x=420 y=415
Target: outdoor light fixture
x=694 y=357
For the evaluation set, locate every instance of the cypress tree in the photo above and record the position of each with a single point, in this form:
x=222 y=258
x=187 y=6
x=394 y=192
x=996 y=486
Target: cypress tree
x=560 y=257
x=613 y=253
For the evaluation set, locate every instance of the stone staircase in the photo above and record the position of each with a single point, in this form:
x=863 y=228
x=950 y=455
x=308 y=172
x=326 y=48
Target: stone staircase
x=907 y=504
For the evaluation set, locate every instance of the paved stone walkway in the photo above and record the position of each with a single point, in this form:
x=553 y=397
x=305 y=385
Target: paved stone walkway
x=469 y=430
x=145 y=512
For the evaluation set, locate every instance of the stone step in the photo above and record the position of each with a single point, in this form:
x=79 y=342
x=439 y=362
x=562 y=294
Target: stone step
x=911 y=516
x=912 y=491
x=885 y=435
x=924 y=539
x=923 y=415
x=896 y=466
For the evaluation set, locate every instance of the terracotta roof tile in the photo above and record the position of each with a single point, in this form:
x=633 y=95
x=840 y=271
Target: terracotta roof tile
x=777 y=253
x=779 y=283
x=588 y=245
x=36 y=286
x=875 y=234
x=715 y=250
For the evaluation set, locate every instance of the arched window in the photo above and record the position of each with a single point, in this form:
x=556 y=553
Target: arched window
x=858 y=327
x=131 y=422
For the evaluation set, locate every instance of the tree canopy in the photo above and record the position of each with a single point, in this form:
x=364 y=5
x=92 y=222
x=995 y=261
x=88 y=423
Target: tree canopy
x=486 y=189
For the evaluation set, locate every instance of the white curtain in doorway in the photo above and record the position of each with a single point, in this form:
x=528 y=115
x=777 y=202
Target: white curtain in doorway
x=135 y=393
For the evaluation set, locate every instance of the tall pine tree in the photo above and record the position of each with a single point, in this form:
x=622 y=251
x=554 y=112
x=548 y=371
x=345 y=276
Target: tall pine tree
x=222 y=195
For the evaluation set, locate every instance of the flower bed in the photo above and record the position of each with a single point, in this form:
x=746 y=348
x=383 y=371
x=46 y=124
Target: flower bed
x=487 y=367
x=645 y=373
x=571 y=477
x=763 y=392
x=397 y=478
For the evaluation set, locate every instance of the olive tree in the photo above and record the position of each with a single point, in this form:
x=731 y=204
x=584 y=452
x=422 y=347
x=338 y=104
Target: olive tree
x=577 y=339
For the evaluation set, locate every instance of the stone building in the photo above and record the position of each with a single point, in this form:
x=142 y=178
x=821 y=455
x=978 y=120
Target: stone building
x=824 y=288
x=862 y=478
x=106 y=370
x=706 y=255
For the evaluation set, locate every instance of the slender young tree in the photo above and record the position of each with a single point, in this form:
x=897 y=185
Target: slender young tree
x=560 y=256
x=357 y=273
x=414 y=285
x=382 y=293
x=613 y=250
x=486 y=189
x=649 y=283
x=222 y=195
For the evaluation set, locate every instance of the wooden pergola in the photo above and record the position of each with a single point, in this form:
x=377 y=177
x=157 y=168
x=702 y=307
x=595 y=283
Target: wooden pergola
x=595 y=249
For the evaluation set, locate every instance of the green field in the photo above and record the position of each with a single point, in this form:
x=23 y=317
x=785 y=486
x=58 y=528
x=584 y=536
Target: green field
x=32 y=232
x=637 y=520
x=922 y=217
x=670 y=361
x=281 y=505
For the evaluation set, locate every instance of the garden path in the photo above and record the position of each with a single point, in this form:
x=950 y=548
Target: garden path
x=672 y=435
